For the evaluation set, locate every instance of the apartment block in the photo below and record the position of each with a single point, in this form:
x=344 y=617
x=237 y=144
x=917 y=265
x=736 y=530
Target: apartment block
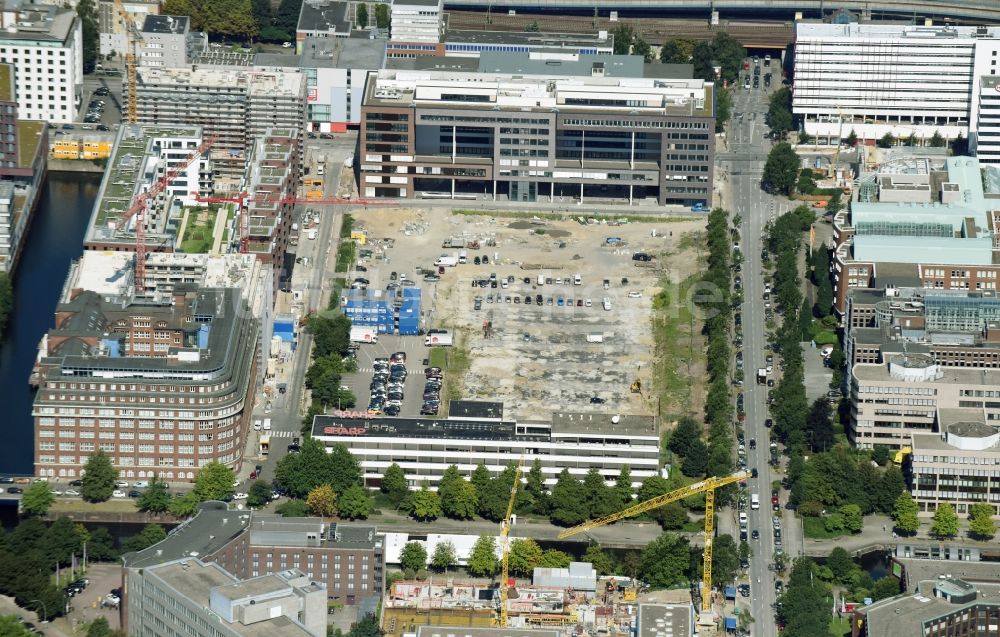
x=272 y=180
x=883 y=78
x=44 y=45
x=919 y=222
x=236 y=106
x=190 y=597
x=167 y=41
x=417 y=21
x=143 y=154
x=578 y=442
x=163 y=387
x=912 y=394
x=960 y=464
x=570 y=129
x=324 y=19
x=111 y=26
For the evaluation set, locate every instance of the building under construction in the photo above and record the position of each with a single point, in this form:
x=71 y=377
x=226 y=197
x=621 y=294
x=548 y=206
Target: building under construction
x=467 y=609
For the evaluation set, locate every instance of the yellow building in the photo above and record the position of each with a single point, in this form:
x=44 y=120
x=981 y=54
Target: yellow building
x=87 y=147
x=63 y=148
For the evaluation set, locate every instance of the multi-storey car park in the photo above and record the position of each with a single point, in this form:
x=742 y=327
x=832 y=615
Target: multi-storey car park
x=581 y=128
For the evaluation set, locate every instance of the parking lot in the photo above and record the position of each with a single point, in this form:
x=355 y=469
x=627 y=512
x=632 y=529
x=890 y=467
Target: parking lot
x=535 y=358
x=387 y=345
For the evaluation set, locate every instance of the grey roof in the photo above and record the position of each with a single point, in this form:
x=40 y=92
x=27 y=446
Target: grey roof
x=165 y=24
x=274 y=530
x=654 y=620
x=417 y=3
x=279 y=60
x=324 y=16
x=468 y=631
x=659 y=70
x=211 y=529
x=603 y=424
x=475 y=409
x=433 y=63
x=343 y=53
x=907 y=615
x=253 y=587
x=530 y=39
x=584 y=65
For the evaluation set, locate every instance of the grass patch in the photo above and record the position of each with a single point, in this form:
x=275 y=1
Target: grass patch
x=339 y=284
x=814 y=529
x=557 y=216
x=197 y=237
x=346 y=226
x=840 y=627
x=454 y=363
x=674 y=332
x=345 y=255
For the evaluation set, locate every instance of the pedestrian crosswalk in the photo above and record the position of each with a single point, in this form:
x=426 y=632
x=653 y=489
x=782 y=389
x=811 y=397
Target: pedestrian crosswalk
x=371 y=370
x=283 y=434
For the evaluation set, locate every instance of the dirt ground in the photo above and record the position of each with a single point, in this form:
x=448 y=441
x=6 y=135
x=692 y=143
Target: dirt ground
x=538 y=359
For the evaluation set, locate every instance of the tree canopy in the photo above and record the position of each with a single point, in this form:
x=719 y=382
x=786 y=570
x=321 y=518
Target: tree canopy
x=665 y=562
x=231 y=18
x=214 y=482
x=299 y=473
x=99 y=478
x=781 y=169
x=413 y=557
x=483 y=559
x=37 y=499
x=155 y=498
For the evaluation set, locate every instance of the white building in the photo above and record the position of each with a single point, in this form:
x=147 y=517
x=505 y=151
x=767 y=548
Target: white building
x=416 y=21
x=890 y=78
x=985 y=142
x=424 y=448
x=44 y=45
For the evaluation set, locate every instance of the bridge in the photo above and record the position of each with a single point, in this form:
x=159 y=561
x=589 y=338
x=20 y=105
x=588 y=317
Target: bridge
x=963 y=10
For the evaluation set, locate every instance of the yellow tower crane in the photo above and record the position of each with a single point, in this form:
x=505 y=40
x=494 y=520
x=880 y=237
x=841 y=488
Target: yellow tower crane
x=505 y=545
x=131 y=36
x=706 y=486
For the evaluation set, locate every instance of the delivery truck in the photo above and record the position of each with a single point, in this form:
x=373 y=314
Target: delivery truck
x=439 y=338
x=761 y=376
x=446 y=260
x=363 y=334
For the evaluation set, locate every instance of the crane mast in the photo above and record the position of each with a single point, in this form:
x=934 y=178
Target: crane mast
x=132 y=35
x=505 y=544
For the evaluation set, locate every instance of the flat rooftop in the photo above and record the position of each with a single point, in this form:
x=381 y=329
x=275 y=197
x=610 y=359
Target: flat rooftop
x=107 y=273
x=7 y=84
x=889 y=30
x=530 y=39
x=905 y=615
x=268 y=529
x=948 y=375
x=604 y=424
x=664 y=620
x=212 y=528
x=177 y=24
x=333 y=426
x=464 y=631
x=29 y=136
x=329 y=16
x=262 y=83
x=45 y=23
x=475 y=409
x=343 y=53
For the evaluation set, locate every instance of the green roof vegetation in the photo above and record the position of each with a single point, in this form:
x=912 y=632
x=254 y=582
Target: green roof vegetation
x=29 y=135
x=197 y=237
x=6 y=85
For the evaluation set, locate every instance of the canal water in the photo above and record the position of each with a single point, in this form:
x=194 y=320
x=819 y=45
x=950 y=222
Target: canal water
x=55 y=239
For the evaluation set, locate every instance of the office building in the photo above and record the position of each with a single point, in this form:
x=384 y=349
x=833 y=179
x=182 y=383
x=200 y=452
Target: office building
x=147 y=362
x=111 y=26
x=947 y=606
x=985 y=142
x=890 y=78
x=323 y=19
x=44 y=45
x=563 y=131
x=471 y=44
x=578 y=442
x=189 y=597
x=235 y=106
x=167 y=41
x=417 y=21
x=143 y=154
x=960 y=464
x=911 y=394
x=23 y=154
x=918 y=222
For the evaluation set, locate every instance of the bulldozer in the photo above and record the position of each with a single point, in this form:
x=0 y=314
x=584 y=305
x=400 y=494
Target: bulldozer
x=636 y=387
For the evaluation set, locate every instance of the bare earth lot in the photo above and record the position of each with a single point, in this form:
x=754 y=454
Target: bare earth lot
x=538 y=359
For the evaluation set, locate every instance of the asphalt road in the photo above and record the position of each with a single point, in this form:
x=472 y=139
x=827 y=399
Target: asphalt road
x=742 y=167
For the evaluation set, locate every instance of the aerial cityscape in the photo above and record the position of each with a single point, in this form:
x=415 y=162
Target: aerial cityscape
x=451 y=318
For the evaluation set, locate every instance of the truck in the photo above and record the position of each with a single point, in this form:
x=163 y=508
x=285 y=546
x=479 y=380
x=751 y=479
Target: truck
x=363 y=334
x=311 y=234
x=320 y=159
x=446 y=260
x=606 y=303
x=595 y=337
x=439 y=338
x=761 y=376
x=454 y=242
x=754 y=501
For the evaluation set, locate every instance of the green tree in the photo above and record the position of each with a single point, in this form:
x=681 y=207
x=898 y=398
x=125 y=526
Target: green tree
x=99 y=628
x=887 y=141
x=623 y=39
x=323 y=379
x=729 y=53
x=534 y=486
x=214 y=482
x=525 y=554
x=354 y=503
x=461 y=501
x=600 y=560
x=696 y=462
x=37 y=499
x=87 y=12
x=904 y=512
x=744 y=551
x=322 y=501
x=533 y=27
x=362 y=16
x=676 y=51
x=554 y=558
x=623 y=487
x=840 y=564
x=11 y=626
x=260 y=493
x=483 y=559
x=723 y=107
x=394 y=483
x=413 y=557
x=262 y=14
x=945 y=522
x=382 y=15
x=299 y=473
x=725 y=559
x=569 y=501
x=665 y=561
x=292 y=509
x=819 y=425
x=6 y=300
x=853 y=521
x=852 y=139
x=702 y=59
x=425 y=505
x=641 y=47
x=684 y=436
x=781 y=170
x=183 y=505
x=886 y=587
x=981 y=525
x=936 y=141
x=779 y=111
x=151 y=534
x=891 y=486
x=155 y=499
x=101 y=546
x=99 y=478
x=62 y=541
x=444 y=556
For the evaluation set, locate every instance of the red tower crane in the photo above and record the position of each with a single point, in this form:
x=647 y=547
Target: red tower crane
x=245 y=198
x=138 y=208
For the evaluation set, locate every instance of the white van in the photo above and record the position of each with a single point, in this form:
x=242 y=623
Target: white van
x=541 y=279
x=754 y=501
x=577 y=280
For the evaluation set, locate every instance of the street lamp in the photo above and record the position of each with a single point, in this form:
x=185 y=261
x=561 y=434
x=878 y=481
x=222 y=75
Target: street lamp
x=45 y=613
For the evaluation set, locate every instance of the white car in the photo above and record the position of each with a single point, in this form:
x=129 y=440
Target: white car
x=588 y=302
x=236 y=483
x=240 y=496
x=56 y=492
x=141 y=484
x=286 y=45
x=121 y=484
x=635 y=295
x=71 y=493
x=118 y=493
